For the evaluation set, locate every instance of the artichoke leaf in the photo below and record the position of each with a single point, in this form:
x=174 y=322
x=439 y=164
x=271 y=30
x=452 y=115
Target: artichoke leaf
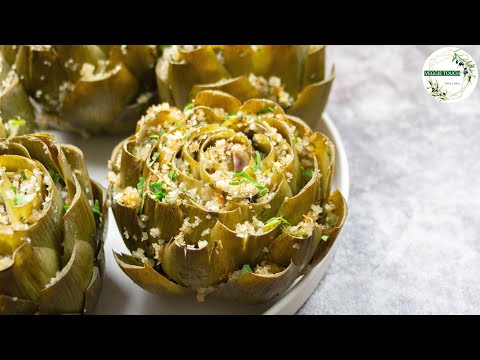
x=66 y=294
x=239 y=59
x=92 y=293
x=205 y=62
x=239 y=87
x=76 y=161
x=30 y=271
x=147 y=278
x=314 y=66
x=218 y=99
x=255 y=288
x=312 y=100
x=15 y=306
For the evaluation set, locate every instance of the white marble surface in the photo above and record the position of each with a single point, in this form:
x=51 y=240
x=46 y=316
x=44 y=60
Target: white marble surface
x=411 y=243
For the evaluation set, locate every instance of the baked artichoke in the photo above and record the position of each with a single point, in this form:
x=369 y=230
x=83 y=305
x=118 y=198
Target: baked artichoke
x=52 y=222
x=16 y=111
x=223 y=198
x=88 y=88
x=291 y=75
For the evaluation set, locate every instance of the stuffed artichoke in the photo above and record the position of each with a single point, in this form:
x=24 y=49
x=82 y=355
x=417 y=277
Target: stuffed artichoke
x=291 y=75
x=16 y=111
x=52 y=222
x=223 y=198
x=88 y=88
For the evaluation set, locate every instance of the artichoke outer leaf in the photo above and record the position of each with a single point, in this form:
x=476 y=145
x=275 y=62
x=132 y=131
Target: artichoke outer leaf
x=92 y=293
x=30 y=271
x=76 y=161
x=95 y=103
x=314 y=66
x=239 y=87
x=15 y=306
x=255 y=288
x=78 y=224
x=238 y=59
x=218 y=99
x=342 y=212
x=147 y=278
x=67 y=293
x=312 y=100
x=205 y=62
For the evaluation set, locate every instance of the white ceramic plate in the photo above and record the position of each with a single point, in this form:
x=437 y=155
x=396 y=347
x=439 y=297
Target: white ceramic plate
x=121 y=296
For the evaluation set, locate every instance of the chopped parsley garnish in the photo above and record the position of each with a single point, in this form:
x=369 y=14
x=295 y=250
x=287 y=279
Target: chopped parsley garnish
x=153 y=158
x=245 y=269
x=308 y=173
x=96 y=208
x=18 y=200
x=188 y=170
x=257 y=168
x=295 y=139
x=325 y=237
x=276 y=221
x=24 y=177
x=140 y=185
x=263 y=190
x=173 y=175
x=265 y=110
x=163 y=47
x=17 y=122
x=157 y=136
x=156 y=189
x=230 y=116
x=188 y=108
x=14 y=189
x=330 y=222
x=54 y=175
x=66 y=207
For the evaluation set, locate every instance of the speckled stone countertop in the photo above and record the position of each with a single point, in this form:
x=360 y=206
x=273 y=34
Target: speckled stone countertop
x=411 y=243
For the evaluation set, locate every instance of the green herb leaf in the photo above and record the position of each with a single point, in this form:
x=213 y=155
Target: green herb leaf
x=263 y=189
x=265 y=110
x=14 y=189
x=173 y=175
x=330 y=222
x=140 y=185
x=54 y=175
x=188 y=107
x=18 y=200
x=235 y=183
x=153 y=158
x=156 y=189
x=245 y=269
x=325 y=237
x=163 y=47
x=66 y=207
x=295 y=139
x=230 y=116
x=96 y=208
x=157 y=136
x=276 y=221
x=17 y=122
x=257 y=168
x=308 y=173
x=24 y=177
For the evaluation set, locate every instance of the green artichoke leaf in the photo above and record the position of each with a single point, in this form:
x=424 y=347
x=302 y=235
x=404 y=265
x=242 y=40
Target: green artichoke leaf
x=239 y=59
x=31 y=269
x=205 y=62
x=341 y=212
x=325 y=155
x=239 y=87
x=256 y=288
x=15 y=306
x=66 y=294
x=9 y=148
x=314 y=67
x=92 y=293
x=76 y=160
x=312 y=100
x=73 y=57
x=98 y=99
x=132 y=163
x=147 y=278
x=16 y=111
x=218 y=99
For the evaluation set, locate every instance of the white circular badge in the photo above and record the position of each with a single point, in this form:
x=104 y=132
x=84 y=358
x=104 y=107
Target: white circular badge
x=450 y=75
